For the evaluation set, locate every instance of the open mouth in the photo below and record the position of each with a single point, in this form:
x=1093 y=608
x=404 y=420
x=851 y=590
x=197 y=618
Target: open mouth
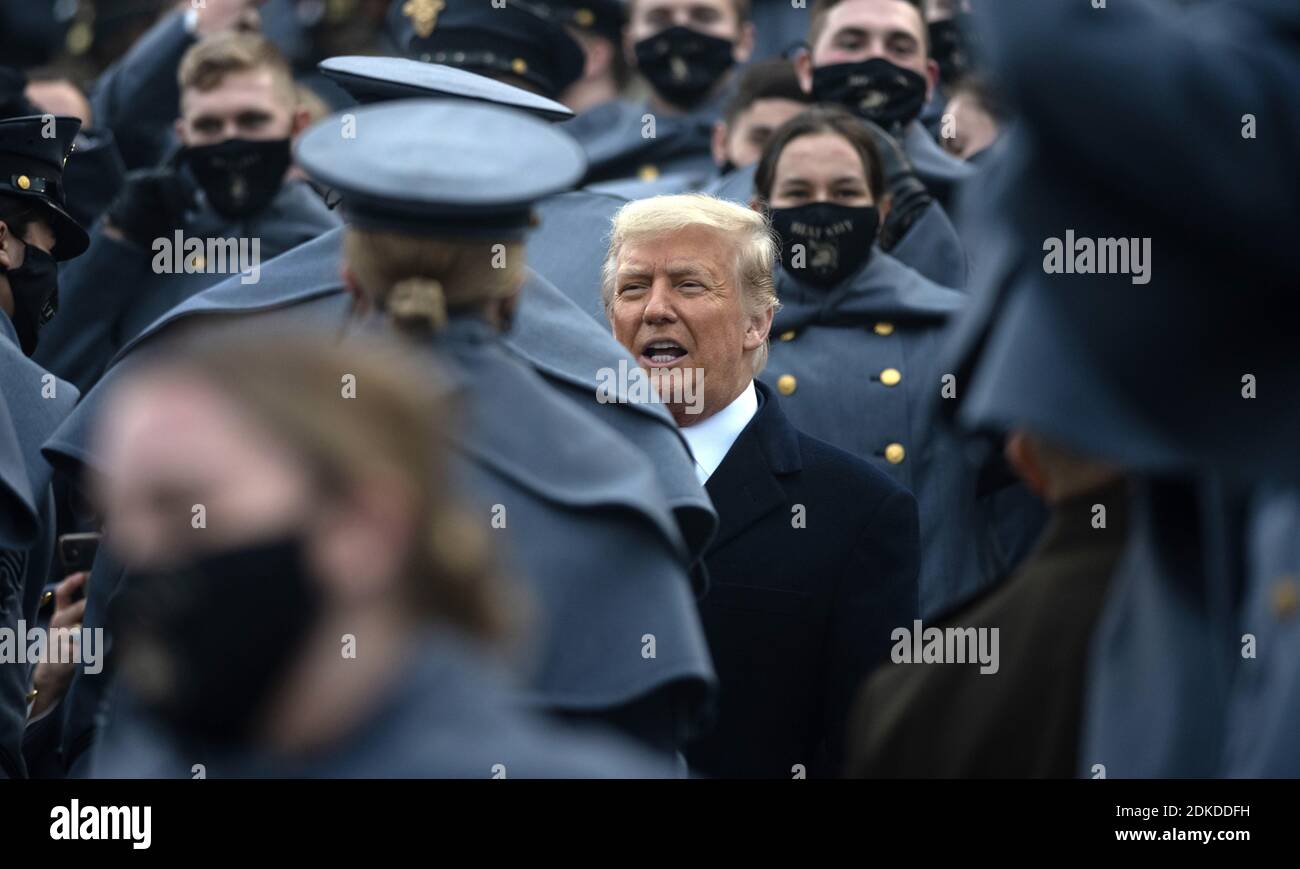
x=662 y=353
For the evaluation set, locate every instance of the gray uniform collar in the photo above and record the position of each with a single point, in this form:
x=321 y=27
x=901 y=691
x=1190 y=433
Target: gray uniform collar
x=884 y=288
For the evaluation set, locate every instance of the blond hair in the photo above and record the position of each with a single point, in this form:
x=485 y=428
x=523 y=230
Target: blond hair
x=756 y=246
x=419 y=281
x=207 y=63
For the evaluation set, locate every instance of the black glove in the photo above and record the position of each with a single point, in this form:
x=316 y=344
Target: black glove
x=151 y=204
x=909 y=194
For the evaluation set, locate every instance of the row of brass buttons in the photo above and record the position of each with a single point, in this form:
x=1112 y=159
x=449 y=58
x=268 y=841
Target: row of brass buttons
x=786 y=384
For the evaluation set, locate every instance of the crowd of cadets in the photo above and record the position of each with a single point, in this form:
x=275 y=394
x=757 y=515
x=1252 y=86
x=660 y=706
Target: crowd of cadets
x=474 y=564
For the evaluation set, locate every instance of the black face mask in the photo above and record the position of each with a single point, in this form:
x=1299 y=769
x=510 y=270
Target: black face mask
x=203 y=645
x=238 y=176
x=35 y=285
x=682 y=64
x=951 y=46
x=875 y=89
x=822 y=243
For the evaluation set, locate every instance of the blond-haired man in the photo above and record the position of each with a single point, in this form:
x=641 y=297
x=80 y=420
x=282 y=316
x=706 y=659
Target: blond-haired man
x=816 y=556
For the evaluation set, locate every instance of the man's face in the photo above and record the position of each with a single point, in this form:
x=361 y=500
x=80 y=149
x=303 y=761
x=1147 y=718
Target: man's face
x=742 y=142
x=859 y=30
x=245 y=105
x=676 y=305
x=714 y=17
x=173 y=444
x=13 y=253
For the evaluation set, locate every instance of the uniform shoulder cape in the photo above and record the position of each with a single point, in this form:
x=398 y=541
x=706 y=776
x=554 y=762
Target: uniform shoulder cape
x=33 y=403
x=613 y=134
x=516 y=424
x=569 y=243
x=883 y=288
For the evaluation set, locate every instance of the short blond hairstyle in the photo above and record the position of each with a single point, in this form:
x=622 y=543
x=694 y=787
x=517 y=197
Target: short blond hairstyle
x=756 y=245
x=207 y=63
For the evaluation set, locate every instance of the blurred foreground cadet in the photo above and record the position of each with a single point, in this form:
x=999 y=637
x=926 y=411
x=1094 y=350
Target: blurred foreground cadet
x=816 y=558
x=221 y=206
x=36 y=232
x=377 y=601
x=580 y=491
x=1132 y=355
x=855 y=353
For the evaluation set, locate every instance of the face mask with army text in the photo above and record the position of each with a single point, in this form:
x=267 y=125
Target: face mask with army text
x=239 y=177
x=209 y=682
x=683 y=64
x=877 y=90
x=35 y=287
x=822 y=243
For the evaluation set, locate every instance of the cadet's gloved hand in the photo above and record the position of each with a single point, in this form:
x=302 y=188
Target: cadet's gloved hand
x=151 y=205
x=910 y=197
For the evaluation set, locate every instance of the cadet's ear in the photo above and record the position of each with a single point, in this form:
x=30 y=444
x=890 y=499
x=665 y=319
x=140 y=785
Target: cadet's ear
x=363 y=540
x=600 y=56
x=744 y=47
x=718 y=143
x=1024 y=459
x=301 y=121
x=360 y=301
x=803 y=70
x=884 y=205
x=931 y=78
x=6 y=259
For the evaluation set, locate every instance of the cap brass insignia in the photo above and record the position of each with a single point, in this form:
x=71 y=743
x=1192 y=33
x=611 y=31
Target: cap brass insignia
x=424 y=15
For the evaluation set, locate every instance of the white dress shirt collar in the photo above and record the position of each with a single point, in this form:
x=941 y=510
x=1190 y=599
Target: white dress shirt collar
x=711 y=439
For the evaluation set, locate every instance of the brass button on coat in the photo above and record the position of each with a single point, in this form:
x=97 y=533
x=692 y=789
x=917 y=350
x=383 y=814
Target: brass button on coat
x=894 y=454
x=890 y=377
x=884 y=329
x=788 y=336
x=785 y=384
